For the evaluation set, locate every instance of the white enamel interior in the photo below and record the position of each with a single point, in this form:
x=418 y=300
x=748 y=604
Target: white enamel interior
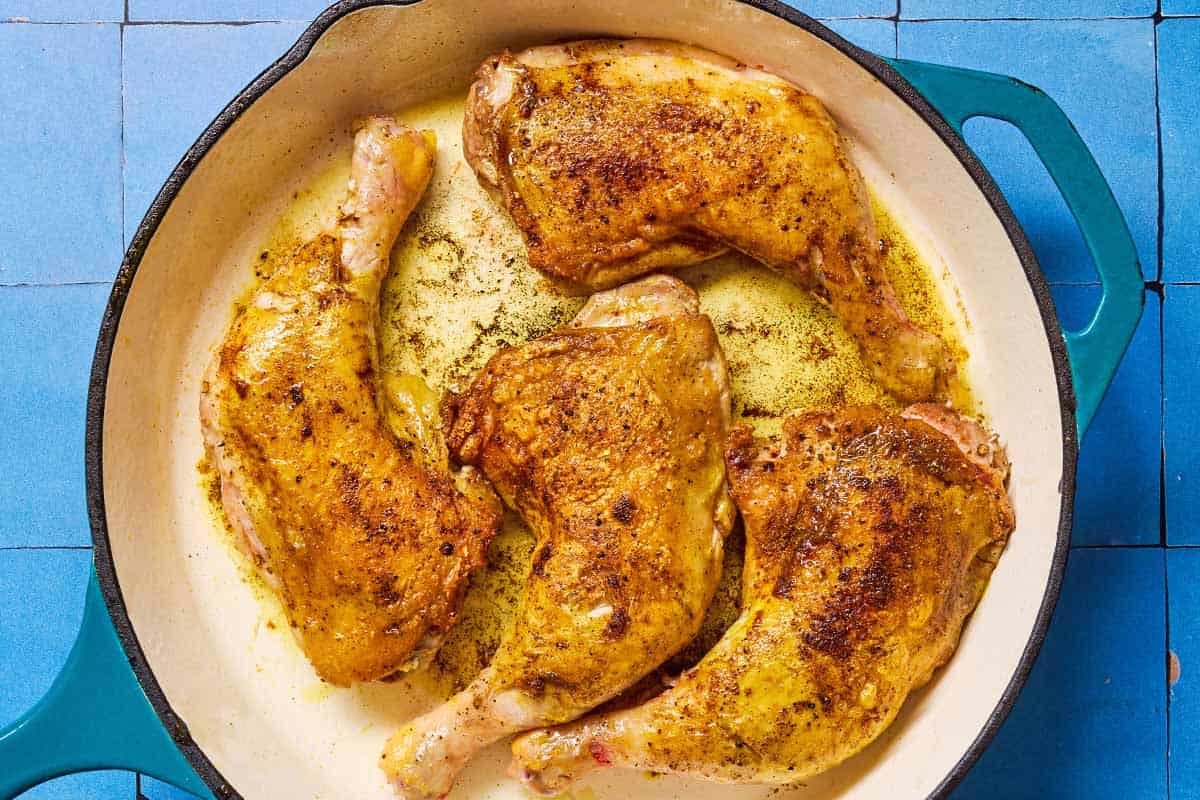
x=248 y=696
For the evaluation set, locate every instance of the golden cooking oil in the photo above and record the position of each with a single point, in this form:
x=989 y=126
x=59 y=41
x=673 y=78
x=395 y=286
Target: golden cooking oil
x=461 y=288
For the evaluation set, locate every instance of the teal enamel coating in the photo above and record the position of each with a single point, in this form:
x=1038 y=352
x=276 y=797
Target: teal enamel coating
x=95 y=716
x=1095 y=351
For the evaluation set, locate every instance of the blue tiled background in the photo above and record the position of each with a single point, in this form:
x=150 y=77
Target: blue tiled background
x=95 y=112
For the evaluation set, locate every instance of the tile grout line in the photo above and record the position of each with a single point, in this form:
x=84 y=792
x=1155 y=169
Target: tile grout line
x=32 y=22
x=1160 y=290
x=1129 y=546
x=121 y=74
x=51 y=284
x=1024 y=19
x=225 y=23
x=1167 y=667
x=40 y=547
x=897 y=17
x=1159 y=145
x=1162 y=411
x=231 y=23
x=1135 y=546
x=137 y=776
x=1149 y=286
x=896 y=28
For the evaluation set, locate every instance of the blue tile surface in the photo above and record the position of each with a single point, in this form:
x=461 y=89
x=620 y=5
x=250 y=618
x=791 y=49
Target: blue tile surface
x=63 y=10
x=1181 y=392
x=1183 y=584
x=157 y=790
x=1102 y=73
x=226 y=10
x=1093 y=719
x=1091 y=722
x=1180 y=7
x=47 y=335
x=60 y=152
x=36 y=643
x=1179 y=85
x=876 y=35
x=1117 y=485
x=108 y=785
x=845 y=8
x=1034 y=199
x=1022 y=9
x=177 y=78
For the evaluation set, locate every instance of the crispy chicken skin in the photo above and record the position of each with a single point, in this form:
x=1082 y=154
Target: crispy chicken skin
x=869 y=539
x=617 y=158
x=345 y=502
x=607 y=437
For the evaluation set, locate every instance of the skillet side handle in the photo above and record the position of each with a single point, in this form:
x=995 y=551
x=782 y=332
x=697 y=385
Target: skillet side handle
x=95 y=716
x=1095 y=351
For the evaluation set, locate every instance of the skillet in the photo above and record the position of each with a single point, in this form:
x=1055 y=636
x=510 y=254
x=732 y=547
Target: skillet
x=167 y=676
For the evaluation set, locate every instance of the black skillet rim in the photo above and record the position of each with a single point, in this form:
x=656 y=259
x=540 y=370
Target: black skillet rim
x=880 y=69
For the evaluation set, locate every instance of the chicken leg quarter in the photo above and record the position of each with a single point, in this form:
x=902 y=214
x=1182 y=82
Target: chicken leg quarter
x=617 y=158
x=607 y=437
x=345 y=502
x=869 y=539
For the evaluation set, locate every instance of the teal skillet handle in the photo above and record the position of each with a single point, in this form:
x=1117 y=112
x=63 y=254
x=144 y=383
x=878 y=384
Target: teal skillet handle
x=1095 y=351
x=95 y=716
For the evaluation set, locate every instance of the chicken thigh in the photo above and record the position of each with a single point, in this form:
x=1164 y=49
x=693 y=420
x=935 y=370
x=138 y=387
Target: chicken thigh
x=869 y=539
x=607 y=437
x=617 y=158
x=344 y=502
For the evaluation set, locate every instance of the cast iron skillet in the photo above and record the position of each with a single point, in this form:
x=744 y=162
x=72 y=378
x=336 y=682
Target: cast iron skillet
x=107 y=710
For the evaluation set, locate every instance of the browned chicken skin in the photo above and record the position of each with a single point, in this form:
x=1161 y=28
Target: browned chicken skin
x=617 y=158
x=869 y=539
x=345 y=501
x=607 y=436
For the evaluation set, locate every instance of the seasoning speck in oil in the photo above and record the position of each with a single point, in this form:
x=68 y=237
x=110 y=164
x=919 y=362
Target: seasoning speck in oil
x=461 y=289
